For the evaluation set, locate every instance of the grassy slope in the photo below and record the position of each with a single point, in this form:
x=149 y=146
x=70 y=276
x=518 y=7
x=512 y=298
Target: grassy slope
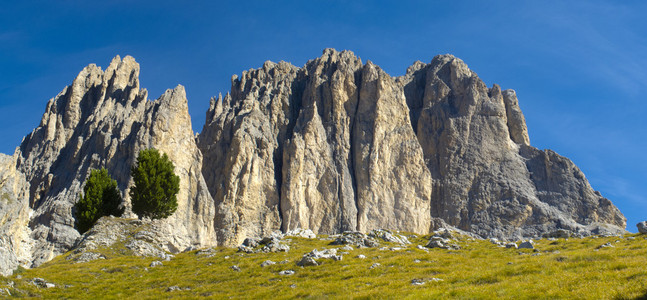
x=570 y=268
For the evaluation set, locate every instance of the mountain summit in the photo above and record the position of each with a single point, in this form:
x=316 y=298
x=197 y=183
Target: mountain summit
x=333 y=146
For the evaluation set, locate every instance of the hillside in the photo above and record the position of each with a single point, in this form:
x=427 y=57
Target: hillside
x=595 y=267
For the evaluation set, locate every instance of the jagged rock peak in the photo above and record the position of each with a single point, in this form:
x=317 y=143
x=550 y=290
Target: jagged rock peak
x=103 y=120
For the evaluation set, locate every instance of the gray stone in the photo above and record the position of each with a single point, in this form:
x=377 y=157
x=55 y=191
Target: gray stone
x=642 y=227
x=511 y=245
x=286 y=272
x=40 y=282
x=355 y=238
x=417 y=282
x=375 y=265
x=310 y=259
x=607 y=245
x=235 y=268
x=251 y=242
x=526 y=245
x=156 y=263
x=267 y=263
x=387 y=236
x=173 y=288
x=443 y=243
x=361 y=256
x=307 y=261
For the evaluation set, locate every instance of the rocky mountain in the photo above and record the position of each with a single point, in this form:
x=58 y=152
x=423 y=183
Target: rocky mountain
x=333 y=146
x=102 y=120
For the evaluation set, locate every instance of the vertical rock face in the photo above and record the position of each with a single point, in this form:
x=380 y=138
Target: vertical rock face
x=344 y=146
x=333 y=146
x=242 y=143
x=103 y=120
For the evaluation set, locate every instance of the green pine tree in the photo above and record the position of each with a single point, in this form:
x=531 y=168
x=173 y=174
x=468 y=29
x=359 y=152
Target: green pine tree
x=156 y=185
x=100 y=198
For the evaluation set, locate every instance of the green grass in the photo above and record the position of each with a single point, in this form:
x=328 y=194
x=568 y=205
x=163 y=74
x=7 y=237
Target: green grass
x=570 y=268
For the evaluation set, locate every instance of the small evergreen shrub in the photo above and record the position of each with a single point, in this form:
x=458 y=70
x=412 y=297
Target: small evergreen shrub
x=156 y=185
x=100 y=198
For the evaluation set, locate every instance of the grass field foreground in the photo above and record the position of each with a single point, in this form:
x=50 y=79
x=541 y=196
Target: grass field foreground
x=562 y=268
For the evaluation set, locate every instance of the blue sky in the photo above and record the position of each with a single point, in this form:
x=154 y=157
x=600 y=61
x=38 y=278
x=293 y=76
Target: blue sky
x=579 y=67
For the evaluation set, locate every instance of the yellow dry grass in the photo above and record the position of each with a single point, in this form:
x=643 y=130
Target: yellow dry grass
x=572 y=269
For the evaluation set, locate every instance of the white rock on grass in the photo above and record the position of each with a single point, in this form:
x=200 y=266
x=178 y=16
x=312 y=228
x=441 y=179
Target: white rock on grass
x=286 y=272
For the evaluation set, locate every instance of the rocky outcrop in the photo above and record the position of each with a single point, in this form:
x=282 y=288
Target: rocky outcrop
x=103 y=120
x=335 y=146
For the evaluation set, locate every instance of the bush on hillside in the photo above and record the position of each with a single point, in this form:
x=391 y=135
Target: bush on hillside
x=156 y=185
x=100 y=198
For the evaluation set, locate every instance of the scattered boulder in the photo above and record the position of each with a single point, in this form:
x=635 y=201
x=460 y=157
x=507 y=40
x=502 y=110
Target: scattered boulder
x=442 y=243
x=286 y=272
x=527 y=245
x=155 y=263
x=375 y=265
x=310 y=259
x=387 y=236
x=235 y=268
x=444 y=233
x=271 y=243
x=607 y=245
x=173 y=288
x=40 y=282
x=642 y=227
x=307 y=261
x=355 y=238
x=267 y=263
x=251 y=242
x=361 y=256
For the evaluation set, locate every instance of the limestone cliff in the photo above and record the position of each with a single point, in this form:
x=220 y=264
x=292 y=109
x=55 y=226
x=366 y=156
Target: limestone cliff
x=332 y=146
x=341 y=145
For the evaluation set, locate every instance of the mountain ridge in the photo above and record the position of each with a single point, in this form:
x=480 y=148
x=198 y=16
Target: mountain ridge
x=333 y=146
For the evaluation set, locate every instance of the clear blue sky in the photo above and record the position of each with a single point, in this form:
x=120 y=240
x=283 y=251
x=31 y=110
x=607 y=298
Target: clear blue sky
x=579 y=67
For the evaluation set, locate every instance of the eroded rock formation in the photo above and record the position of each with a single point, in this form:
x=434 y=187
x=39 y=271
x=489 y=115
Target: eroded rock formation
x=103 y=120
